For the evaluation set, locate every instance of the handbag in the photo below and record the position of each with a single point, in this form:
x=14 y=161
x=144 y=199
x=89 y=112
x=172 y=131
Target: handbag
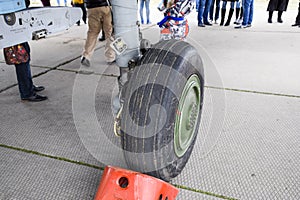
x=15 y=54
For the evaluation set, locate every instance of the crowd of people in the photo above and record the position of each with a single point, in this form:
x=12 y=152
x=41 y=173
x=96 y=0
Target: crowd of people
x=209 y=10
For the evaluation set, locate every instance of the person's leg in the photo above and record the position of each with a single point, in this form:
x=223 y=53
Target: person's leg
x=251 y=12
x=58 y=2
x=237 y=11
x=223 y=12
x=24 y=80
x=94 y=26
x=230 y=13
x=141 y=10
x=217 y=12
x=270 y=16
x=211 y=10
x=297 y=21
x=206 y=11
x=200 y=12
x=279 y=18
x=298 y=16
x=147 y=2
x=65 y=2
x=197 y=5
x=240 y=20
x=232 y=5
x=82 y=6
x=246 y=6
x=237 y=4
x=24 y=77
x=107 y=28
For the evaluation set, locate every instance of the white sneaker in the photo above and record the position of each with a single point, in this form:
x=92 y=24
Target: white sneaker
x=241 y=26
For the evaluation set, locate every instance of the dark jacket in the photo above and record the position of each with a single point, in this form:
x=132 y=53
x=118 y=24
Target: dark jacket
x=277 y=5
x=95 y=3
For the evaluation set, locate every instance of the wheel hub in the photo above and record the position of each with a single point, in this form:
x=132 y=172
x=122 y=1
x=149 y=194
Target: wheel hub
x=187 y=115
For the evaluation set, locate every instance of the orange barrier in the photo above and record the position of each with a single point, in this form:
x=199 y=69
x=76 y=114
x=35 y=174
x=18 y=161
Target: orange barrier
x=122 y=184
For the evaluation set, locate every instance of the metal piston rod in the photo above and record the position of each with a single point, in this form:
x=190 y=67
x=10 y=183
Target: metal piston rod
x=126 y=28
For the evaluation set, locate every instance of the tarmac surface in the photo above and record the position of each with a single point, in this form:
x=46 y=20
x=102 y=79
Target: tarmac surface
x=248 y=143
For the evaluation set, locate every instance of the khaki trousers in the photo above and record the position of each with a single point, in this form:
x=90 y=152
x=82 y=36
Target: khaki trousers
x=99 y=18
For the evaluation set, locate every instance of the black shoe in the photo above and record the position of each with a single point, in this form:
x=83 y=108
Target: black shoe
x=85 y=62
x=38 y=88
x=207 y=23
x=201 y=25
x=279 y=20
x=102 y=38
x=270 y=21
x=296 y=24
x=35 y=98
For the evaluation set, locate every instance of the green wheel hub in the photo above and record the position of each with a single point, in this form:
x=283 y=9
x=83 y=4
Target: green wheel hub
x=187 y=115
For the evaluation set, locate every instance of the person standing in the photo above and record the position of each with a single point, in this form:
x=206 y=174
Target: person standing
x=28 y=91
x=248 y=6
x=297 y=22
x=214 y=4
x=80 y=4
x=99 y=15
x=203 y=10
x=146 y=4
x=277 y=5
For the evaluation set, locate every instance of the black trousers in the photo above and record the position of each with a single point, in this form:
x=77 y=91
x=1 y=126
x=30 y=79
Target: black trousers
x=82 y=6
x=298 y=16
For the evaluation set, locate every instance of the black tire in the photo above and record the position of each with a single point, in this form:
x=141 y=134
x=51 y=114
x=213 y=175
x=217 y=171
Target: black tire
x=151 y=109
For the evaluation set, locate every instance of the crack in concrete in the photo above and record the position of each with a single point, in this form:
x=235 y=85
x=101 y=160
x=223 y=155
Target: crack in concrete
x=253 y=91
x=102 y=168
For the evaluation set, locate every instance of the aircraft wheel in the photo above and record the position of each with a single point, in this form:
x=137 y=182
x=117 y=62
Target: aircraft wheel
x=162 y=109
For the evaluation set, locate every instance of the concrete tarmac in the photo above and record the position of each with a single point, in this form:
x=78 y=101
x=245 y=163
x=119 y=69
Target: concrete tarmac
x=248 y=143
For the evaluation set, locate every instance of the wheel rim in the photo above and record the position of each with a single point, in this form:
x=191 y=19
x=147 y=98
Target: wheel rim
x=187 y=115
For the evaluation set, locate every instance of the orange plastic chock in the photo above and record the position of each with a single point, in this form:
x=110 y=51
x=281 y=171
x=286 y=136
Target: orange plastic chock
x=122 y=184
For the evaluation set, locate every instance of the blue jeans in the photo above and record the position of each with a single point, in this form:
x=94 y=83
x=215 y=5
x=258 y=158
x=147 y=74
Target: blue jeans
x=201 y=8
x=58 y=2
x=238 y=5
x=206 y=10
x=217 y=11
x=248 y=12
x=146 y=3
x=24 y=76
